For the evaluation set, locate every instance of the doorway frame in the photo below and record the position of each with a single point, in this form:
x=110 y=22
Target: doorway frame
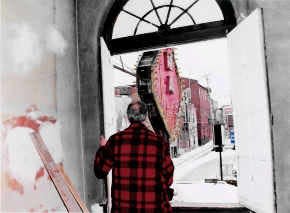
x=94 y=15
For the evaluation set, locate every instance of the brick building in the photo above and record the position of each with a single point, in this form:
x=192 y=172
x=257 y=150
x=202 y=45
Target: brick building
x=201 y=100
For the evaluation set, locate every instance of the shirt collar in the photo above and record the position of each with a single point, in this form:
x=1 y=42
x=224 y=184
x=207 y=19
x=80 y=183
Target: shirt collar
x=137 y=124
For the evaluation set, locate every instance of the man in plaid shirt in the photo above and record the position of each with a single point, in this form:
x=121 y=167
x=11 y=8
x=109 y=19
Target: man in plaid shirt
x=141 y=163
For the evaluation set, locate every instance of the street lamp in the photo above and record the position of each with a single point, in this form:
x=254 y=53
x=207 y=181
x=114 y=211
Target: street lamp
x=219 y=118
x=218 y=142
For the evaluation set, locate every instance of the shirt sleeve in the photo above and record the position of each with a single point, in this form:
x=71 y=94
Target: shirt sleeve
x=104 y=159
x=167 y=164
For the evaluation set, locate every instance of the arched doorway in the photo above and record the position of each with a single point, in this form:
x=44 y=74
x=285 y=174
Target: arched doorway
x=107 y=27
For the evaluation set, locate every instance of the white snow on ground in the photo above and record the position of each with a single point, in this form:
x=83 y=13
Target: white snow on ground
x=183 y=170
x=205 y=193
x=193 y=154
x=96 y=208
x=190 y=171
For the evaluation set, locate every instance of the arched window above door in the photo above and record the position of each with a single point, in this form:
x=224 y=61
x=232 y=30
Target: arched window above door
x=147 y=16
x=133 y=25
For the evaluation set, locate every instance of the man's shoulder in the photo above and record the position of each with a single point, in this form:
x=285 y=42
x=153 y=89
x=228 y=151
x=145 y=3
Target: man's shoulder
x=117 y=134
x=149 y=132
x=156 y=136
x=153 y=136
x=132 y=130
x=121 y=134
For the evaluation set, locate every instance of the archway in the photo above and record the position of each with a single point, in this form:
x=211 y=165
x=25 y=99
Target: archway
x=90 y=61
x=162 y=32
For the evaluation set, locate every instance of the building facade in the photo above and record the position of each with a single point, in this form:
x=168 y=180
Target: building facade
x=188 y=138
x=202 y=103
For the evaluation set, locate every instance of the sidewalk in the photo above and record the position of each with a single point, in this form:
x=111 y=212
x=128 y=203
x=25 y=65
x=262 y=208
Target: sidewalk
x=189 y=194
x=193 y=154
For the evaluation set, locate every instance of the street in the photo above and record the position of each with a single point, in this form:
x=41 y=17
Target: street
x=190 y=174
x=205 y=167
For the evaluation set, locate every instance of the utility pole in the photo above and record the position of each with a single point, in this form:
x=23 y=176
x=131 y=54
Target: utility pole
x=218 y=142
x=216 y=123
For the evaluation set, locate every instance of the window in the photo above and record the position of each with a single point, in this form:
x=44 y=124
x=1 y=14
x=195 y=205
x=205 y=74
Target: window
x=161 y=15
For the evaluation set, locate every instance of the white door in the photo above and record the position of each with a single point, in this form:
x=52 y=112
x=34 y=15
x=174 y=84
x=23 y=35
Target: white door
x=108 y=91
x=108 y=100
x=251 y=114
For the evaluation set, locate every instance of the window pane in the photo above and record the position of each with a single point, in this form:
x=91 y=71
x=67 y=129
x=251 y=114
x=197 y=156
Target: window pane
x=163 y=13
x=161 y=2
x=124 y=26
x=182 y=21
x=206 y=11
x=145 y=28
x=152 y=17
x=183 y=3
x=174 y=13
x=138 y=7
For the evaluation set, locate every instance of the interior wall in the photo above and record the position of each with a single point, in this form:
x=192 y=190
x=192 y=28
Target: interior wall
x=39 y=67
x=90 y=16
x=68 y=95
x=28 y=66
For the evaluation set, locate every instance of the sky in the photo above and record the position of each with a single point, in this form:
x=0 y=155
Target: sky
x=199 y=60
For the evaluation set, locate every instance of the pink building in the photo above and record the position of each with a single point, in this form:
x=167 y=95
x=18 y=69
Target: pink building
x=200 y=99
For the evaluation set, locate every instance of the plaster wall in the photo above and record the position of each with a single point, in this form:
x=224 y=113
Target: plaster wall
x=68 y=95
x=40 y=67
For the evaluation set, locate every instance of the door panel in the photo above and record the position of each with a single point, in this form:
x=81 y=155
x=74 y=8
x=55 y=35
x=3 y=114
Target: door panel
x=108 y=90
x=108 y=102
x=251 y=114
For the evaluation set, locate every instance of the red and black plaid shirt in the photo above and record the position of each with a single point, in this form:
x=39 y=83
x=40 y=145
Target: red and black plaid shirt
x=142 y=170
